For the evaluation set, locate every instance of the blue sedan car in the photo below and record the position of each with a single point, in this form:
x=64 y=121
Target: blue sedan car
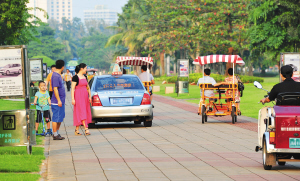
x=120 y=98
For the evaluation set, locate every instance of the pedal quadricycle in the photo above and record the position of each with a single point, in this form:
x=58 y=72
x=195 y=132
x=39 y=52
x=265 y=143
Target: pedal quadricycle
x=213 y=105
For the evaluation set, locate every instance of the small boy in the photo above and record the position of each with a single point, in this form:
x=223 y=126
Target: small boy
x=42 y=102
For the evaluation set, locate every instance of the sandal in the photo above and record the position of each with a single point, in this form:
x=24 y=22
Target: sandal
x=77 y=133
x=87 y=133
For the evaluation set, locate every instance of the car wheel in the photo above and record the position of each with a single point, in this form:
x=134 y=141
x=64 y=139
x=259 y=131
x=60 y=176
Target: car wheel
x=281 y=163
x=137 y=122
x=92 y=125
x=265 y=156
x=7 y=72
x=147 y=123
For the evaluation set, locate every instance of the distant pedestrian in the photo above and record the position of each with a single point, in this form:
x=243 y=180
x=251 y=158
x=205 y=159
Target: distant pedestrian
x=81 y=99
x=58 y=100
x=68 y=79
x=48 y=80
x=147 y=77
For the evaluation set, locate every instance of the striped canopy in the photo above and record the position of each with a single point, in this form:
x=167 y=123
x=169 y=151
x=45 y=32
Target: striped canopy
x=137 y=61
x=218 y=58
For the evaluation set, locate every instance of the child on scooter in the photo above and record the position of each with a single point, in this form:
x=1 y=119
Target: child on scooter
x=42 y=102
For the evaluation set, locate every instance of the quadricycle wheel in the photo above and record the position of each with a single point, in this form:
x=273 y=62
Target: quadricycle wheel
x=233 y=115
x=203 y=112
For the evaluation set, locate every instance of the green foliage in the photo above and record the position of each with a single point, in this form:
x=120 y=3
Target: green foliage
x=94 y=53
x=275 y=26
x=47 y=45
x=193 y=78
x=46 y=59
x=14 y=25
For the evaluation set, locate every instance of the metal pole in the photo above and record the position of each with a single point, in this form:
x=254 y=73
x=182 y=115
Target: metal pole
x=178 y=74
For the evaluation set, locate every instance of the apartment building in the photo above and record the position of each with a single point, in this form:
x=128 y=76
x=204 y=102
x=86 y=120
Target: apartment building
x=101 y=13
x=57 y=9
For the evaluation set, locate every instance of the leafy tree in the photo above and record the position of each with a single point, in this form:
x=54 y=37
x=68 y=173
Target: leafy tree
x=94 y=53
x=275 y=26
x=14 y=25
x=46 y=44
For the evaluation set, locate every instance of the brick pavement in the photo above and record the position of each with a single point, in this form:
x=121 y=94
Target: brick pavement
x=177 y=147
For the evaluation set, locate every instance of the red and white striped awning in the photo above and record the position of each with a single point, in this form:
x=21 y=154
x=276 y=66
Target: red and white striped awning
x=218 y=58
x=137 y=61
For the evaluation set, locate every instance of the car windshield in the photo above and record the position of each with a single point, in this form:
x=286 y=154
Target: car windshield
x=7 y=66
x=112 y=83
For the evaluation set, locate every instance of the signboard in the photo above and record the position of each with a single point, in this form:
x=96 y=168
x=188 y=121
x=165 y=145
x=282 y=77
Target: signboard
x=45 y=73
x=292 y=59
x=12 y=80
x=36 y=69
x=183 y=71
x=183 y=68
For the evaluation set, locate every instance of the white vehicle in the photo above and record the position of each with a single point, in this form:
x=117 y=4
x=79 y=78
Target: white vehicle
x=36 y=70
x=11 y=69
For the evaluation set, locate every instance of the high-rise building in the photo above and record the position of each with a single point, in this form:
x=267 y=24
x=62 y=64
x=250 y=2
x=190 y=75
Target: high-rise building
x=101 y=13
x=33 y=4
x=57 y=9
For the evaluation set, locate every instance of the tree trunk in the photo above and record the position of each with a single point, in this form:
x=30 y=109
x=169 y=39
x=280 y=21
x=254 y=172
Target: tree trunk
x=250 y=72
x=162 y=62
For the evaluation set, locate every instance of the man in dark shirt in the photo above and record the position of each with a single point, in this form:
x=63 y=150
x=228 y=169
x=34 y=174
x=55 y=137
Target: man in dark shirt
x=288 y=84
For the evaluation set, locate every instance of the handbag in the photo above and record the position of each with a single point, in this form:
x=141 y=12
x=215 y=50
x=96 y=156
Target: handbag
x=241 y=86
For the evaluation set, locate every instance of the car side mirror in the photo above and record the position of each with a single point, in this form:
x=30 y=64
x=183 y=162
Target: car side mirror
x=257 y=84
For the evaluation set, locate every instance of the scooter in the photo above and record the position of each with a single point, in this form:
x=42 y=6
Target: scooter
x=279 y=130
x=44 y=133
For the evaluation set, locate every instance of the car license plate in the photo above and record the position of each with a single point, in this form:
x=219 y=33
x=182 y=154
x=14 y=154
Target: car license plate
x=116 y=101
x=294 y=142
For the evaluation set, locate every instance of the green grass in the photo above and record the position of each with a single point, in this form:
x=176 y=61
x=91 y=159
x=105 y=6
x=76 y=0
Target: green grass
x=16 y=159
x=249 y=102
x=18 y=176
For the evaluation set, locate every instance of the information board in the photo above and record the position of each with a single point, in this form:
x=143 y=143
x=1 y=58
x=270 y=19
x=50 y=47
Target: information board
x=36 y=69
x=183 y=68
x=11 y=72
x=292 y=59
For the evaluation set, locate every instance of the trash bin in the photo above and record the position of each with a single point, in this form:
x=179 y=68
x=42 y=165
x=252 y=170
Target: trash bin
x=182 y=87
x=16 y=129
x=32 y=92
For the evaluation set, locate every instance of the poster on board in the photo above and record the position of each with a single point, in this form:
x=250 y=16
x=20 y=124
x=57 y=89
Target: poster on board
x=36 y=69
x=183 y=68
x=292 y=59
x=44 y=70
x=11 y=69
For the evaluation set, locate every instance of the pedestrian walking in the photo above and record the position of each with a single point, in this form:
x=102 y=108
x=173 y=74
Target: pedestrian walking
x=58 y=100
x=68 y=79
x=48 y=80
x=81 y=99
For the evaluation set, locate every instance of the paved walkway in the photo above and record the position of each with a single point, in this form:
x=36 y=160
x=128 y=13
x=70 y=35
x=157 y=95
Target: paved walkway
x=177 y=147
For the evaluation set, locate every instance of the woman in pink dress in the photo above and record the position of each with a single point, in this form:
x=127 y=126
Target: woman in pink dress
x=81 y=99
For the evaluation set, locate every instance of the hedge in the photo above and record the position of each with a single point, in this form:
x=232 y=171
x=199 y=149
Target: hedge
x=219 y=78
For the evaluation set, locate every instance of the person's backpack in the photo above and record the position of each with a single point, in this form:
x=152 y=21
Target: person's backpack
x=241 y=86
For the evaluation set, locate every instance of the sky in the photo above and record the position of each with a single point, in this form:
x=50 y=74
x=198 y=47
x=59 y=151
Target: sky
x=80 y=5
